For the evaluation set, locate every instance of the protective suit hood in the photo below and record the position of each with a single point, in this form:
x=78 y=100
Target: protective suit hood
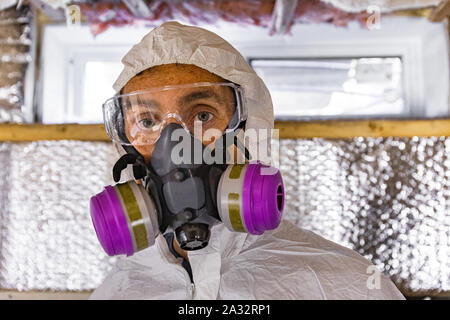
x=173 y=42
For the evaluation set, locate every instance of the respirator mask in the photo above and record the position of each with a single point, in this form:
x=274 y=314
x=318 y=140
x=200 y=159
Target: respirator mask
x=191 y=181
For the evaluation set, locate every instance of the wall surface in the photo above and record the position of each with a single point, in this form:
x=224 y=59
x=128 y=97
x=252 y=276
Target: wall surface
x=387 y=198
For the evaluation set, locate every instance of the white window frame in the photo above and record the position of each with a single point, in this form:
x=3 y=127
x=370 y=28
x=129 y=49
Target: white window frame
x=422 y=46
x=67 y=50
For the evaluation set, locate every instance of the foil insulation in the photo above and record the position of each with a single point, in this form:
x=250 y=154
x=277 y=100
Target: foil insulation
x=386 y=198
x=15 y=42
x=47 y=237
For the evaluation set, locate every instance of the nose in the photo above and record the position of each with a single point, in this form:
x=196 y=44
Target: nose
x=173 y=118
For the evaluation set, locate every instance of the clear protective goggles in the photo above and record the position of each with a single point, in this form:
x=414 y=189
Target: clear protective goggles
x=138 y=118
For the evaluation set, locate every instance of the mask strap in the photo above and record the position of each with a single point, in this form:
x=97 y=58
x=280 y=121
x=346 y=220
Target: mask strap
x=239 y=144
x=131 y=157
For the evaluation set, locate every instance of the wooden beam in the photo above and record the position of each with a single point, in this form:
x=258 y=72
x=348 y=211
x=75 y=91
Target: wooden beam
x=420 y=12
x=441 y=12
x=287 y=130
x=363 y=128
x=35 y=132
x=44 y=295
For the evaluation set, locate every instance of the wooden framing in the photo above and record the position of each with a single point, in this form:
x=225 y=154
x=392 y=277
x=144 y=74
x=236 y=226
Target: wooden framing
x=331 y=129
x=35 y=132
x=441 y=12
x=363 y=128
x=44 y=295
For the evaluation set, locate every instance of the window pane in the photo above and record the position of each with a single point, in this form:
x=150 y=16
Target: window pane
x=97 y=87
x=333 y=87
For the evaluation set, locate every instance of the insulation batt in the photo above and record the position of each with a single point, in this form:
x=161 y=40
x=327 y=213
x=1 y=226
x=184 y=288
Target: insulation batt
x=255 y=12
x=385 y=5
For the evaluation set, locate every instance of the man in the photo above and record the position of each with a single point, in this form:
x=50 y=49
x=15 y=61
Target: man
x=285 y=263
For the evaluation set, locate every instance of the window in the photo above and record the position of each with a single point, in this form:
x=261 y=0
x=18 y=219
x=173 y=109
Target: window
x=317 y=88
x=97 y=87
x=320 y=71
x=78 y=71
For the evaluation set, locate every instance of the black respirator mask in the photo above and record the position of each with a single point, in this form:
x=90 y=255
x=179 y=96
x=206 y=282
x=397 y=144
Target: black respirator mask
x=180 y=190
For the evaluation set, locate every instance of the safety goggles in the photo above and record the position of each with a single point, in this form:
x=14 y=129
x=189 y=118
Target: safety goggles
x=138 y=118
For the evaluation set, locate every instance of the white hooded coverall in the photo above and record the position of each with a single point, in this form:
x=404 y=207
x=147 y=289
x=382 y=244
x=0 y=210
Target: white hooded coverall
x=285 y=263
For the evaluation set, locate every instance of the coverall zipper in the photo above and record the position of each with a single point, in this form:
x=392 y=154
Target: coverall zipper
x=191 y=285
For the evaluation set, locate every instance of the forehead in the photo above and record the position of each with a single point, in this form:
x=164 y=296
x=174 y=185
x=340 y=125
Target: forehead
x=169 y=74
x=179 y=97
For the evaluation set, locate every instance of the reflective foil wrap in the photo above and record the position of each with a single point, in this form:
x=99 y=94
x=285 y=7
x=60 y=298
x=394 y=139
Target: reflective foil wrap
x=388 y=199
x=47 y=237
x=15 y=41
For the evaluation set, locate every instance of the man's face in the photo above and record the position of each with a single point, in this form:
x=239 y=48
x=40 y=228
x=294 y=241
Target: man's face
x=212 y=106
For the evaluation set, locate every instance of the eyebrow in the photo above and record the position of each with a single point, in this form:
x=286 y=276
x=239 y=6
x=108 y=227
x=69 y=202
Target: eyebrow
x=151 y=103
x=203 y=94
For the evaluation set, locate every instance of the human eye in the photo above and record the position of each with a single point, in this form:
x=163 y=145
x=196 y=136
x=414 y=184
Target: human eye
x=204 y=116
x=146 y=123
x=146 y=120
